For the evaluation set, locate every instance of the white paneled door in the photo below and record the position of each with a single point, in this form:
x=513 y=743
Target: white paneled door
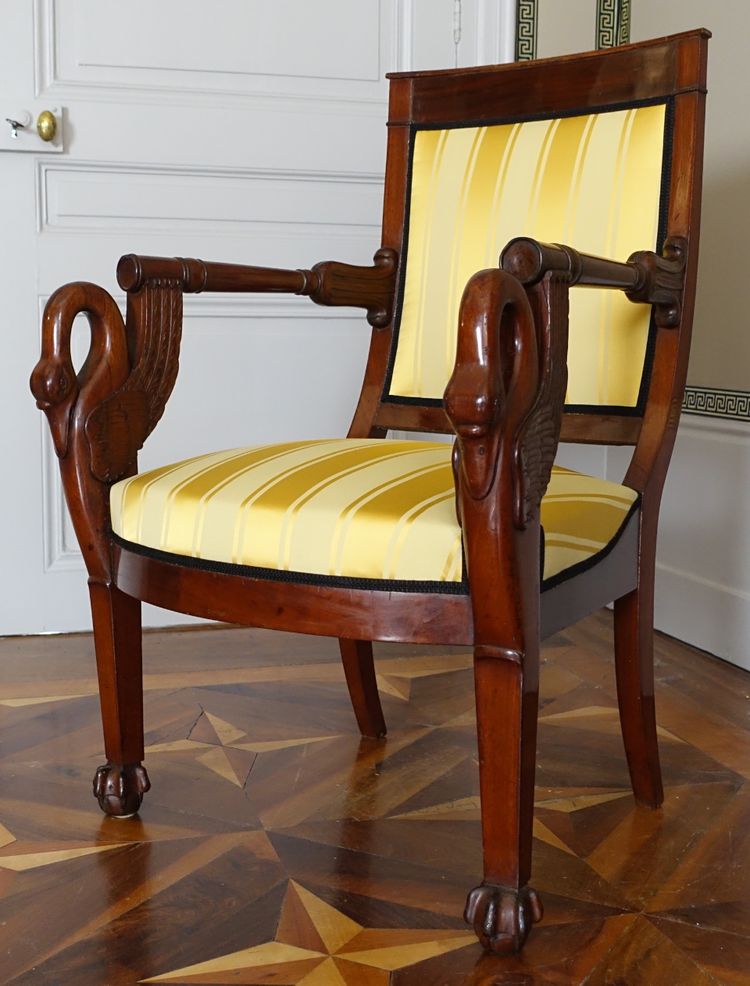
x=235 y=130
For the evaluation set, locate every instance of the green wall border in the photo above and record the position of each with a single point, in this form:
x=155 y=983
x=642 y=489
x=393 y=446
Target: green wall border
x=612 y=26
x=715 y=402
x=527 y=14
x=612 y=23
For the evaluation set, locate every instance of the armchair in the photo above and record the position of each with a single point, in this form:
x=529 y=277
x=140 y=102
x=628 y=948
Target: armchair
x=369 y=538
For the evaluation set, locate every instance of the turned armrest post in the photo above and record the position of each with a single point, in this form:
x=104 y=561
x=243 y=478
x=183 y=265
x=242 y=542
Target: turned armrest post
x=328 y=283
x=662 y=280
x=197 y=276
x=645 y=277
x=373 y=288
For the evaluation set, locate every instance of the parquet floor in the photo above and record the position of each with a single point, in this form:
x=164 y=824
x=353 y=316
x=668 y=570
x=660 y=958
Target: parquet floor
x=277 y=847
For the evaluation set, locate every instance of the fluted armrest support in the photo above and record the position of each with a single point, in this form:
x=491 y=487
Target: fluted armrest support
x=327 y=283
x=644 y=277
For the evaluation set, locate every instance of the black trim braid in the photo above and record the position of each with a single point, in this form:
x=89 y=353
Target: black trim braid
x=301 y=578
x=346 y=582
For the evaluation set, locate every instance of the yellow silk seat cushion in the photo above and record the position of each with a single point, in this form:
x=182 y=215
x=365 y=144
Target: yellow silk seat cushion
x=347 y=508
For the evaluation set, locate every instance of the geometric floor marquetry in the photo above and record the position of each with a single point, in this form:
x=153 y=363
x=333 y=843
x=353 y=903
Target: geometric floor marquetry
x=277 y=846
x=316 y=945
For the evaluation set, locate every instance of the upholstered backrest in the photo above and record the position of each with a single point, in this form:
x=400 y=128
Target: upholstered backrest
x=595 y=180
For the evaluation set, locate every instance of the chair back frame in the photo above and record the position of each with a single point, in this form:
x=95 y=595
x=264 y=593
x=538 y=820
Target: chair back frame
x=669 y=68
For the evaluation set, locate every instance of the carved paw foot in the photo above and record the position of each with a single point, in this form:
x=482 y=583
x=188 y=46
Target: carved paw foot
x=502 y=917
x=120 y=789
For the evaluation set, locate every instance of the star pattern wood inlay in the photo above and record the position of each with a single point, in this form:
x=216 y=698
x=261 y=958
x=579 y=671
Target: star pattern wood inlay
x=318 y=945
x=277 y=846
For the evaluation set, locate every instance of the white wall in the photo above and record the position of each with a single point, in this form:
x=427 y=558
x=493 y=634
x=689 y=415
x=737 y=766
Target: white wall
x=252 y=133
x=703 y=565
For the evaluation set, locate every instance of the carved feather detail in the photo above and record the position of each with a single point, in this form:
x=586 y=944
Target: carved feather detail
x=119 y=425
x=536 y=444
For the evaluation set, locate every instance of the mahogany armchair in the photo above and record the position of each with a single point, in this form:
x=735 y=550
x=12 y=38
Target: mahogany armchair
x=367 y=538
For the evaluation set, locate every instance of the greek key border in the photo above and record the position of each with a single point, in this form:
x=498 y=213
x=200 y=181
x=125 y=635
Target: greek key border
x=527 y=13
x=714 y=402
x=612 y=23
x=612 y=26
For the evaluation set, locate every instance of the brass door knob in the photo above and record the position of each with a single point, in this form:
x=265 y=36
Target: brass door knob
x=46 y=125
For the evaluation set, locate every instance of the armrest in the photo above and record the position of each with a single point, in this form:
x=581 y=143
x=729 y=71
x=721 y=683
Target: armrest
x=328 y=283
x=644 y=277
x=100 y=416
x=496 y=405
x=120 y=394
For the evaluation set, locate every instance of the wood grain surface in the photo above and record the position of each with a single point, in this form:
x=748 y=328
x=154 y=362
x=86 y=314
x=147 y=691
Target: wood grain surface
x=277 y=846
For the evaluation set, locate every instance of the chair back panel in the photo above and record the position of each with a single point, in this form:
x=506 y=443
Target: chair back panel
x=594 y=180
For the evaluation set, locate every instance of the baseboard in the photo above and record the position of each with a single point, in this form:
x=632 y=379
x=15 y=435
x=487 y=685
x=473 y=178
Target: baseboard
x=703 y=554
x=703 y=557
x=706 y=614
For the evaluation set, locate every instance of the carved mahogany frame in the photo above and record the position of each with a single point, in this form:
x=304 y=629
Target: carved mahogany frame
x=504 y=403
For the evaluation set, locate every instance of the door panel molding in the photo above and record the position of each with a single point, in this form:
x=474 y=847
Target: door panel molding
x=69 y=61
x=80 y=197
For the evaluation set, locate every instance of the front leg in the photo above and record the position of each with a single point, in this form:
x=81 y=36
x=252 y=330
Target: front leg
x=503 y=908
x=99 y=418
x=119 y=785
x=505 y=401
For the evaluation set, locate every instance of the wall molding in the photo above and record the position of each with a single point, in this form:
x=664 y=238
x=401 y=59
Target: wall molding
x=495 y=40
x=60 y=548
x=212 y=171
x=403 y=40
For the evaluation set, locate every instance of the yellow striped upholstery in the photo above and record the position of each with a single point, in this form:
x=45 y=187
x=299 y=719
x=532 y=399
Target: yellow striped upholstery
x=590 y=181
x=358 y=508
